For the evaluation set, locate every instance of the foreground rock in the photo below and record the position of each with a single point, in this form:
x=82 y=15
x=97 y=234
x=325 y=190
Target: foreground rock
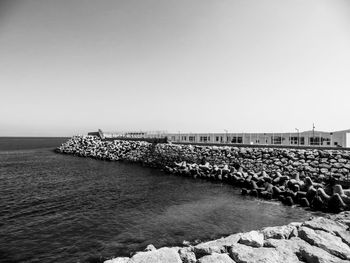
x=216 y=258
x=318 y=240
x=252 y=239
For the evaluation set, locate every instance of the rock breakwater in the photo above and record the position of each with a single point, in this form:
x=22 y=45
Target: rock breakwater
x=318 y=240
x=310 y=178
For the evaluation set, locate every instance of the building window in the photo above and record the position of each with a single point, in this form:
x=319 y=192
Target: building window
x=326 y=140
x=236 y=139
x=173 y=138
x=277 y=140
x=293 y=140
x=204 y=138
x=191 y=138
x=183 y=138
x=314 y=140
x=216 y=138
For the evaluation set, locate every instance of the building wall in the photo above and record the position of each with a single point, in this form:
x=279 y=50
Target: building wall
x=308 y=138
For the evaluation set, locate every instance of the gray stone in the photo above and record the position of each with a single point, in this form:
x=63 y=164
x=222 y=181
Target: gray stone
x=187 y=255
x=325 y=241
x=218 y=245
x=161 y=255
x=150 y=248
x=303 y=250
x=252 y=238
x=345 y=236
x=246 y=254
x=280 y=232
x=216 y=258
x=117 y=260
x=325 y=224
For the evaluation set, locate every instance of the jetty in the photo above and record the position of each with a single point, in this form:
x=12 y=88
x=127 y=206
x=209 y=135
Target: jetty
x=315 y=179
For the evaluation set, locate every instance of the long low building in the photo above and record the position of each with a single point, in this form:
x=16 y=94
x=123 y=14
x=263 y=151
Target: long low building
x=306 y=138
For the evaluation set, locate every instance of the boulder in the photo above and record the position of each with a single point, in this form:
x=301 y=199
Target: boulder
x=161 y=255
x=187 y=255
x=117 y=260
x=216 y=246
x=303 y=250
x=325 y=224
x=216 y=258
x=252 y=238
x=280 y=232
x=150 y=248
x=343 y=218
x=246 y=254
x=345 y=237
x=326 y=241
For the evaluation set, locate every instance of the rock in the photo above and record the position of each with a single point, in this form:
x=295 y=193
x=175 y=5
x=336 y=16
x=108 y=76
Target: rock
x=304 y=202
x=338 y=189
x=303 y=250
x=289 y=201
x=325 y=241
x=187 y=255
x=343 y=218
x=216 y=246
x=345 y=237
x=117 y=260
x=216 y=258
x=150 y=248
x=280 y=232
x=161 y=255
x=252 y=238
x=246 y=254
x=325 y=224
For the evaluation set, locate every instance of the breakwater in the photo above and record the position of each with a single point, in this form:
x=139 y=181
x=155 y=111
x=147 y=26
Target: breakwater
x=318 y=240
x=310 y=178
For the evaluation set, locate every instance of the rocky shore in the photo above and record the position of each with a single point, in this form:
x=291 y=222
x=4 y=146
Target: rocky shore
x=309 y=178
x=318 y=240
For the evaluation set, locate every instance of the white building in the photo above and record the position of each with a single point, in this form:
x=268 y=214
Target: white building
x=306 y=138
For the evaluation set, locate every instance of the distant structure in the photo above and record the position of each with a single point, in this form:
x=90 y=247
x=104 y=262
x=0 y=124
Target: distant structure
x=151 y=136
x=306 y=138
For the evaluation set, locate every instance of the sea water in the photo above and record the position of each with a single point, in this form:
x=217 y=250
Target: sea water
x=63 y=208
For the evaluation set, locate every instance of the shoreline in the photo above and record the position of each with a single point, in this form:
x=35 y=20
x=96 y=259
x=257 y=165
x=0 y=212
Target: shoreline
x=307 y=178
x=319 y=239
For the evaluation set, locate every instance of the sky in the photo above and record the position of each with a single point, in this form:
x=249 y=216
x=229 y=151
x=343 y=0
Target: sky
x=70 y=67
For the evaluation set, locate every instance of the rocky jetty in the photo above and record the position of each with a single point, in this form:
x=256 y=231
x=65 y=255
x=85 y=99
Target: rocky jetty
x=318 y=240
x=309 y=178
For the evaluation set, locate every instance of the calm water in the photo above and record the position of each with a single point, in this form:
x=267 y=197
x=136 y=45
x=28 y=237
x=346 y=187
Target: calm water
x=59 y=208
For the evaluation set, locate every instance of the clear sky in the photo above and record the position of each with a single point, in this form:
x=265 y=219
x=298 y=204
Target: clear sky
x=69 y=67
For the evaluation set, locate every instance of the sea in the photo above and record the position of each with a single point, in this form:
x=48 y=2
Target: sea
x=64 y=208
